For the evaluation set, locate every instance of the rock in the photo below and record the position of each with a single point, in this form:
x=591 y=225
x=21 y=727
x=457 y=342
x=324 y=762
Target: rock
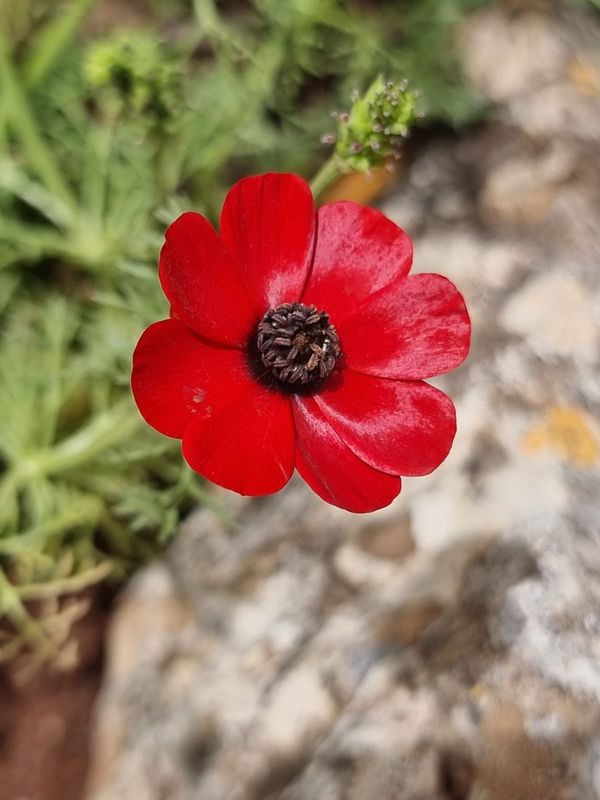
x=568 y=431
x=523 y=190
x=470 y=259
x=416 y=779
x=513 y=765
x=298 y=712
x=150 y=615
x=556 y=631
x=407 y=624
x=357 y=568
x=554 y=313
x=505 y=56
x=392 y=540
x=547 y=728
x=557 y=110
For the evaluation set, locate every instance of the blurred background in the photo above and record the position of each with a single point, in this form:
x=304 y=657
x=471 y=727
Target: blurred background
x=164 y=640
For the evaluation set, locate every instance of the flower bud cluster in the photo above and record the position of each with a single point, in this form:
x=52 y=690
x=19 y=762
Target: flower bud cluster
x=376 y=124
x=137 y=74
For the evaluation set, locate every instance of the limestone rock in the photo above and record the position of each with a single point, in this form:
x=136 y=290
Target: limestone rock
x=506 y=55
x=554 y=313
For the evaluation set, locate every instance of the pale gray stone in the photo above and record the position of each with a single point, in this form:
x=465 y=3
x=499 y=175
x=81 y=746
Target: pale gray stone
x=505 y=55
x=554 y=314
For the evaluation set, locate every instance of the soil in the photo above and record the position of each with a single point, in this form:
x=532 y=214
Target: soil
x=45 y=721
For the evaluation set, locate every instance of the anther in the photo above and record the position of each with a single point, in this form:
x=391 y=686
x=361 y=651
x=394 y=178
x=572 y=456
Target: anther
x=297 y=344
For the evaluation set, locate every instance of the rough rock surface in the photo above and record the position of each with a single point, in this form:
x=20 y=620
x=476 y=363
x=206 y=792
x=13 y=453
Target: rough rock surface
x=448 y=647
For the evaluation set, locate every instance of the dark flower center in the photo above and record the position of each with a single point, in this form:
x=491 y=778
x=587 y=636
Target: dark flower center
x=297 y=344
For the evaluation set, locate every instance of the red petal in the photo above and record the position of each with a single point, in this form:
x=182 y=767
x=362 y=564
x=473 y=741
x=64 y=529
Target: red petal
x=176 y=376
x=235 y=432
x=358 y=251
x=267 y=224
x=201 y=283
x=400 y=427
x=414 y=328
x=245 y=443
x=331 y=469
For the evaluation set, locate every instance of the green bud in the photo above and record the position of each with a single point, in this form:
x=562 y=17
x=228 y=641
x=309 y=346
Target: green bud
x=376 y=124
x=135 y=73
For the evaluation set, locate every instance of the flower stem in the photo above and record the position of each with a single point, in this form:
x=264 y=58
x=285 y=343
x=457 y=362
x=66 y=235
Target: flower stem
x=329 y=172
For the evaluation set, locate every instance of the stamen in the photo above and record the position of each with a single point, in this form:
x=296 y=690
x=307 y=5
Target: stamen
x=297 y=344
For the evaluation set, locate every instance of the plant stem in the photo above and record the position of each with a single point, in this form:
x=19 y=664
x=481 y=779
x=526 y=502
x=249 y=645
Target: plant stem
x=22 y=120
x=12 y=606
x=329 y=172
x=118 y=536
x=206 y=15
x=211 y=26
x=70 y=585
x=86 y=510
x=103 y=432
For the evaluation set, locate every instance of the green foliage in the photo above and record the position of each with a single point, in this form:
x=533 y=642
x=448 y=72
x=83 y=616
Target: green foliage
x=138 y=73
x=103 y=141
x=86 y=487
x=22 y=17
x=594 y=4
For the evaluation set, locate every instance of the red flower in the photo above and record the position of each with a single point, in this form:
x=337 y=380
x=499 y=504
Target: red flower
x=297 y=339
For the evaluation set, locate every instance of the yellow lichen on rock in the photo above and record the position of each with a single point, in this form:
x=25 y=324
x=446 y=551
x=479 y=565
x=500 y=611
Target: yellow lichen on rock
x=568 y=431
x=585 y=77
